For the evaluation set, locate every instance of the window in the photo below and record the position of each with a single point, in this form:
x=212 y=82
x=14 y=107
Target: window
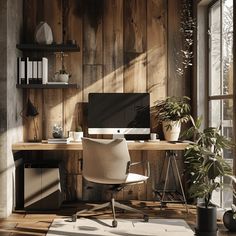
x=220 y=82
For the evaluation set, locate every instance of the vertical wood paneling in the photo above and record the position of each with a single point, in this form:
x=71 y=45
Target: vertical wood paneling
x=73 y=31
x=52 y=110
x=113 y=46
x=123 y=49
x=135 y=26
x=92 y=80
x=70 y=108
x=156 y=49
x=53 y=16
x=135 y=42
x=176 y=84
x=92 y=34
x=29 y=20
x=92 y=47
x=135 y=72
x=31 y=124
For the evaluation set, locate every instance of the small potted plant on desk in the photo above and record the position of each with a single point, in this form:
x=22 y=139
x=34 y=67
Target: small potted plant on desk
x=206 y=166
x=171 y=112
x=78 y=134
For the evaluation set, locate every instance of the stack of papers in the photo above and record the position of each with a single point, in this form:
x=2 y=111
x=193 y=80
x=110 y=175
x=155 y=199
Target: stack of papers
x=58 y=140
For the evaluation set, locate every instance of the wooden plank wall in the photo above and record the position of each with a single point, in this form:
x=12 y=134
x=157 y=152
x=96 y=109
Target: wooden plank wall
x=126 y=46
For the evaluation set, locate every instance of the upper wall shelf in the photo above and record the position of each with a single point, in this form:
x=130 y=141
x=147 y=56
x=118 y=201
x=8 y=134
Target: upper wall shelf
x=47 y=86
x=49 y=48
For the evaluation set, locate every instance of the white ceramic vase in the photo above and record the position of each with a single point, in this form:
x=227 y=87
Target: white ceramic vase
x=171 y=130
x=43 y=33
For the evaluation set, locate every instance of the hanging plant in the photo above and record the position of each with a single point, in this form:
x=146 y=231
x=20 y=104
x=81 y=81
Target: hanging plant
x=187 y=26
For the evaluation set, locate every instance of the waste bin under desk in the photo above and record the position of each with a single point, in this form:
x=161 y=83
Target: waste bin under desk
x=42 y=190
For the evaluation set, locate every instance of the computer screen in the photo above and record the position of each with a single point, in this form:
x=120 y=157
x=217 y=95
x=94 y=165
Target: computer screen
x=119 y=113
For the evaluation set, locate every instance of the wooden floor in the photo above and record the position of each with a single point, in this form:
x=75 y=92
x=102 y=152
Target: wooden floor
x=22 y=223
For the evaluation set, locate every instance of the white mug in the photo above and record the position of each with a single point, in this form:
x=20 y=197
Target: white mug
x=71 y=135
x=153 y=136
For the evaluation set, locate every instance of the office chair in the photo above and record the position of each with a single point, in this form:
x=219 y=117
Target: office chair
x=107 y=161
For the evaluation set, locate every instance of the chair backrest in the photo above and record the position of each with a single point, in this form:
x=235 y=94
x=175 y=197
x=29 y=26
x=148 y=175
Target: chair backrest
x=105 y=160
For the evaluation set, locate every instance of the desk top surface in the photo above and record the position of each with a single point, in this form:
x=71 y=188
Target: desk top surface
x=136 y=145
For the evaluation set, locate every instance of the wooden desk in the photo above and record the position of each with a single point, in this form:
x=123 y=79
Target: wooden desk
x=145 y=146
x=133 y=146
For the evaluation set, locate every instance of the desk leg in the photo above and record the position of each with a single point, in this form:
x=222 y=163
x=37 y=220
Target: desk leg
x=171 y=158
x=180 y=182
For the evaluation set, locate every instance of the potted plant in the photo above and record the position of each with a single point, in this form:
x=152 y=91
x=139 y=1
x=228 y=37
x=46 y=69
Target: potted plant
x=62 y=75
x=206 y=166
x=229 y=219
x=171 y=112
x=78 y=134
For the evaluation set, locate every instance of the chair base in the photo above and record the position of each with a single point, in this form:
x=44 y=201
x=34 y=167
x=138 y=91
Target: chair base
x=112 y=204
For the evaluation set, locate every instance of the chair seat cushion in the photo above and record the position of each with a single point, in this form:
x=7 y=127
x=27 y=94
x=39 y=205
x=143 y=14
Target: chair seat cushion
x=135 y=178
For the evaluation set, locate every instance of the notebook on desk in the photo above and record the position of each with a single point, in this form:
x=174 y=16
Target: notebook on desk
x=58 y=140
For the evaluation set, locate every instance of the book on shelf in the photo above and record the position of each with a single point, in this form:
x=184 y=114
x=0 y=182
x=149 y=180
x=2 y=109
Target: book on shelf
x=58 y=140
x=32 y=70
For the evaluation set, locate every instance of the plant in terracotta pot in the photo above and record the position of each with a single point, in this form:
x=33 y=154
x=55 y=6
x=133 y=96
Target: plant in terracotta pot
x=171 y=112
x=206 y=166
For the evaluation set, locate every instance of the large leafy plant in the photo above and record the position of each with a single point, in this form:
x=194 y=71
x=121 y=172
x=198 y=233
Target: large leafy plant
x=204 y=160
x=173 y=109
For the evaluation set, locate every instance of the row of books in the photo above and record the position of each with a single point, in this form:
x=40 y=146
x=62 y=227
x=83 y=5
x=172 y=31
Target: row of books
x=32 y=71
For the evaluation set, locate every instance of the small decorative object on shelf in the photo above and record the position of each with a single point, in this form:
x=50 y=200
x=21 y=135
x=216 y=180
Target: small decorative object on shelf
x=62 y=75
x=57 y=131
x=43 y=33
x=32 y=112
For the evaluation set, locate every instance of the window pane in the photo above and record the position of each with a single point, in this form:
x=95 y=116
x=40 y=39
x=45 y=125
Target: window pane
x=215 y=49
x=221 y=113
x=221 y=80
x=227 y=46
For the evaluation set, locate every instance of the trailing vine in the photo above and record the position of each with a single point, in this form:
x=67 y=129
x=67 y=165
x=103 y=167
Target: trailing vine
x=187 y=26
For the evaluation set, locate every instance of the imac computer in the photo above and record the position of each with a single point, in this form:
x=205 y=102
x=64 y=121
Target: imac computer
x=119 y=114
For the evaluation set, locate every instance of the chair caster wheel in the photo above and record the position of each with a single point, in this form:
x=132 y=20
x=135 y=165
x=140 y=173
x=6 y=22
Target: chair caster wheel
x=73 y=218
x=114 y=223
x=146 y=218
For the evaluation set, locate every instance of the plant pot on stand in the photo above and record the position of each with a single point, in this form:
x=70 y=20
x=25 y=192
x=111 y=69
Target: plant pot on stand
x=171 y=130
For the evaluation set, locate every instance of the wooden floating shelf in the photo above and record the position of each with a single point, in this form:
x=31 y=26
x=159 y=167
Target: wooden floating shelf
x=47 y=86
x=49 y=47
